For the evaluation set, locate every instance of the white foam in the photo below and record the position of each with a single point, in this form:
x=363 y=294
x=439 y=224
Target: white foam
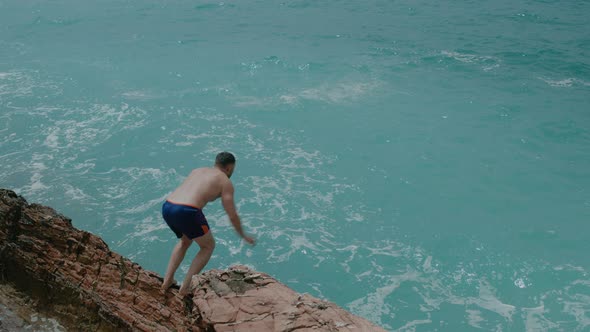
x=318 y=290
x=145 y=206
x=37 y=167
x=137 y=173
x=565 y=83
x=519 y=283
x=255 y=145
x=207 y=135
x=75 y=193
x=250 y=101
x=51 y=140
x=474 y=318
x=581 y=282
x=85 y=166
x=337 y=93
x=140 y=95
x=491 y=67
x=488 y=63
x=579 y=310
x=288 y=99
x=298 y=243
x=334 y=93
x=388 y=249
x=489 y=301
x=80 y=129
x=25 y=83
x=354 y=216
x=411 y=325
x=436 y=288
x=236 y=249
x=11 y=154
x=353 y=251
x=468 y=58
x=535 y=320
x=149 y=226
x=374 y=306
x=427 y=265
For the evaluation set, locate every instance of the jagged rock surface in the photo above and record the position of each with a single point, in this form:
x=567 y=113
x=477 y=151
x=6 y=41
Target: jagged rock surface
x=74 y=276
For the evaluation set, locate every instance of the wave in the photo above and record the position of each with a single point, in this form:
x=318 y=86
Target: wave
x=336 y=93
x=26 y=83
x=565 y=83
x=487 y=62
x=483 y=298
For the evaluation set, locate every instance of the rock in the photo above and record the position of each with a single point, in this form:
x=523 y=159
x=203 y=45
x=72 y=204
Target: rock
x=17 y=314
x=75 y=278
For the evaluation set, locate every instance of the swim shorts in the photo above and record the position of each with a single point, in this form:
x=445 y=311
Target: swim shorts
x=185 y=219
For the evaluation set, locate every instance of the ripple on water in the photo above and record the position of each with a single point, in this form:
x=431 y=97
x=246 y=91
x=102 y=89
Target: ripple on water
x=565 y=83
x=487 y=62
x=488 y=302
x=16 y=84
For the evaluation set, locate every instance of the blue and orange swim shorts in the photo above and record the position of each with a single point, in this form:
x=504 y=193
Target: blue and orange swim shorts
x=185 y=219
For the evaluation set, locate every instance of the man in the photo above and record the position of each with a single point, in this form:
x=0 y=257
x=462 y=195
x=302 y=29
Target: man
x=182 y=211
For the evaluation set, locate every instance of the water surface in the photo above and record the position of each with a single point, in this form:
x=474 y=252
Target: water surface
x=423 y=164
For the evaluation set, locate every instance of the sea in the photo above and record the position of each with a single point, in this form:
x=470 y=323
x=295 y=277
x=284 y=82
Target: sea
x=422 y=164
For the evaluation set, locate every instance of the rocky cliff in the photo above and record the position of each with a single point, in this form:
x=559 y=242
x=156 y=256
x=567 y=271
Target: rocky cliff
x=73 y=276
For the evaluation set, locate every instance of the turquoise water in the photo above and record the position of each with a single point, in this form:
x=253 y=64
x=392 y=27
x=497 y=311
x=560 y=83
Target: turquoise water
x=425 y=165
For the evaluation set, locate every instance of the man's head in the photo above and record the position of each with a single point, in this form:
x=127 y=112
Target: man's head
x=226 y=162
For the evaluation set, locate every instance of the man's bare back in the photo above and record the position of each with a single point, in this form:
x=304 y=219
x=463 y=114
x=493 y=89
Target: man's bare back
x=203 y=185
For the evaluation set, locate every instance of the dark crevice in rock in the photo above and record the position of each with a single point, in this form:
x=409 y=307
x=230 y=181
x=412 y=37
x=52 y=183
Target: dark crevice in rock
x=14 y=215
x=82 y=244
x=123 y=270
x=206 y=327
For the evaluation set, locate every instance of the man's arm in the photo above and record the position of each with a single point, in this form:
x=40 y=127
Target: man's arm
x=227 y=199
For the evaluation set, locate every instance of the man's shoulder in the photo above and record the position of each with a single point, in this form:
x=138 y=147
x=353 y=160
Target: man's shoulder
x=207 y=171
x=224 y=182
x=196 y=170
x=224 y=179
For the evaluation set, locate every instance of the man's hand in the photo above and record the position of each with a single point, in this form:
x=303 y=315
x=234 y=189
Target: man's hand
x=250 y=240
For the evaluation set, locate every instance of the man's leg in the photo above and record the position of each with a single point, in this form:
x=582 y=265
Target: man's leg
x=175 y=260
x=207 y=244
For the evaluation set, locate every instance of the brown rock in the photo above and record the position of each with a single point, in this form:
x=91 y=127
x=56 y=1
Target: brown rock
x=74 y=276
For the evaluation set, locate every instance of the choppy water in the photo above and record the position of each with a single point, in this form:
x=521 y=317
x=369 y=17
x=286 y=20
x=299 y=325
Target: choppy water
x=424 y=164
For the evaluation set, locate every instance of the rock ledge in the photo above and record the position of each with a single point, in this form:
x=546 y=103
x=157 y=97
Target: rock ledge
x=74 y=277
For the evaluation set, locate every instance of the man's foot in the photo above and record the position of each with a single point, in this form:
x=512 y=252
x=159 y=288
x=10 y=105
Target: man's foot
x=167 y=285
x=184 y=291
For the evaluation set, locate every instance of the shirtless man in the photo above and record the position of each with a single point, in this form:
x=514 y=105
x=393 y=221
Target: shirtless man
x=182 y=211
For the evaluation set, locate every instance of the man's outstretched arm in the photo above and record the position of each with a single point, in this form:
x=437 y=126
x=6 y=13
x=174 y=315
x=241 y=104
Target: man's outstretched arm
x=227 y=199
